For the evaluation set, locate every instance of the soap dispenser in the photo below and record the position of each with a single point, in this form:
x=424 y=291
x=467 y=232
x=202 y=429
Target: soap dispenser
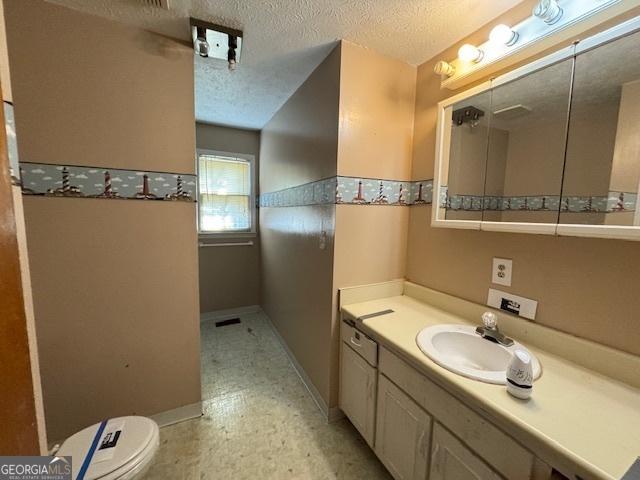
x=520 y=375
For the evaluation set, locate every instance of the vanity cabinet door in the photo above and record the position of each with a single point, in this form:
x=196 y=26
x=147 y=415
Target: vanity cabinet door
x=358 y=381
x=402 y=433
x=451 y=460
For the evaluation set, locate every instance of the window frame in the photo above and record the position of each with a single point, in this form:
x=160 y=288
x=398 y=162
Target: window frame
x=251 y=231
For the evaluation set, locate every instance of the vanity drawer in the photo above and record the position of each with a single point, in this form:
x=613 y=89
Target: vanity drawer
x=366 y=348
x=496 y=448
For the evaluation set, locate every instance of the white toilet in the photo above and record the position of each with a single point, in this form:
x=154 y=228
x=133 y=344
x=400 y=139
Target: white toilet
x=117 y=449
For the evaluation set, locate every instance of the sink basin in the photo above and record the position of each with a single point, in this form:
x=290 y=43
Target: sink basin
x=460 y=349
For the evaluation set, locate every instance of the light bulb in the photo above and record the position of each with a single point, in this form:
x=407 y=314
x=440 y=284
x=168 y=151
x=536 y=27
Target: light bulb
x=469 y=53
x=201 y=44
x=444 y=68
x=548 y=11
x=503 y=35
x=202 y=47
x=231 y=58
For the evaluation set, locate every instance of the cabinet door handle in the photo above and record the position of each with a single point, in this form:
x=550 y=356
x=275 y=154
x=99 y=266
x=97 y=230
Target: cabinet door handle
x=355 y=343
x=421 y=445
x=436 y=457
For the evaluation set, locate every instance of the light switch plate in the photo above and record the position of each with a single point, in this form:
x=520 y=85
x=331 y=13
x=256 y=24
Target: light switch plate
x=501 y=273
x=322 y=244
x=524 y=307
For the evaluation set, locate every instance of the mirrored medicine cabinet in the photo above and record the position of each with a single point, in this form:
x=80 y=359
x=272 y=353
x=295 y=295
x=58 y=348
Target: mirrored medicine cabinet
x=550 y=148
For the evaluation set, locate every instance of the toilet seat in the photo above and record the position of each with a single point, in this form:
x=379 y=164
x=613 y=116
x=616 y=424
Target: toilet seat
x=128 y=445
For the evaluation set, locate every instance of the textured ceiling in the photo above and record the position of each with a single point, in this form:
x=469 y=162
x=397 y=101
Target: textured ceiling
x=285 y=40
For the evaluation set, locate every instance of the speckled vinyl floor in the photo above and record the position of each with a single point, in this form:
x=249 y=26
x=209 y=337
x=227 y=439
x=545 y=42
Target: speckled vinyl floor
x=259 y=420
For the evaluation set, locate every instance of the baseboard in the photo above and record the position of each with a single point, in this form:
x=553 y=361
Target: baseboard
x=330 y=415
x=335 y=414
x=229 y=313
x=177 y=415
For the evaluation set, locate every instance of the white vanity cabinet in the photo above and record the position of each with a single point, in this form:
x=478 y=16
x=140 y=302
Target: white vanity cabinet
x=451 y=460
x=358 y=380
x=417 y=429
x=462 y=440
x=402 y=434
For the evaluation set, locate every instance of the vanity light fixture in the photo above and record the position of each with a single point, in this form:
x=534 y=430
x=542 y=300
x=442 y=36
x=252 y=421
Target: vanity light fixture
x=549 y=24
x=470 y=53
x=216 y=42
x=503 y=35
x=548 y=11
x=444 y=68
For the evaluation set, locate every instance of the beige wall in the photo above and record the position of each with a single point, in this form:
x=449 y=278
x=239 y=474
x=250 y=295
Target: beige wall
x=352 y=117
x=299 y=145
x=116 y=311
x=377 y=97
x=104 y=83
x=584 y=286
x=297 y=279
x=229 y=276
x=625 y=170
x=114 y=282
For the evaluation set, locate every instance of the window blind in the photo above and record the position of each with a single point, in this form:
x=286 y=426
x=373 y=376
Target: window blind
x=224 y=194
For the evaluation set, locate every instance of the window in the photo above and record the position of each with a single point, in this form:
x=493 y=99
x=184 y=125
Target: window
x=225 y=193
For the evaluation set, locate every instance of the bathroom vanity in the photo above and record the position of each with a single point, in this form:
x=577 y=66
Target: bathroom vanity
x=426 y=422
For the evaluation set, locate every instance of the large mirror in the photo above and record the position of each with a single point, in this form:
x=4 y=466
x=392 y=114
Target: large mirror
x=602 y=173
x=464 y=177
x=526 y=146
x=551 y=148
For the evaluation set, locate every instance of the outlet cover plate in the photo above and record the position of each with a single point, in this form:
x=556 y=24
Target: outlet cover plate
x=501 y=272
x=508 y=302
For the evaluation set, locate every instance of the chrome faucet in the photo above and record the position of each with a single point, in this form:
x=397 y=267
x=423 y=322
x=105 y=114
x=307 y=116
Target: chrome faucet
x=490 y=331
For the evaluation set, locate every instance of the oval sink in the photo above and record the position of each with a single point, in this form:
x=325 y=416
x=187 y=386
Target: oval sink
x=460 y=349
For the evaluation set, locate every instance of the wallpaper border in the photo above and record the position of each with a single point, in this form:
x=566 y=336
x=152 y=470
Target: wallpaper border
x=78 y=181
x=346 y=190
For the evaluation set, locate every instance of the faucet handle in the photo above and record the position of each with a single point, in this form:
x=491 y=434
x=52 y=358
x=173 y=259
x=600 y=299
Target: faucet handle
x=490 y=320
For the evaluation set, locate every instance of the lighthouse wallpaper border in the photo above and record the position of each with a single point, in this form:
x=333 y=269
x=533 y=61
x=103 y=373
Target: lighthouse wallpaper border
x=351 y=190
x=374 y=191
x=102 y=182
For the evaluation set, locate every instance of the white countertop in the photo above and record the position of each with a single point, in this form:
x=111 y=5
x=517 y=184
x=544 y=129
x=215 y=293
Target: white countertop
x=575 y=416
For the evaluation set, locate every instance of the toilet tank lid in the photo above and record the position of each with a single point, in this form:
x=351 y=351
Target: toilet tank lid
x=122 y=441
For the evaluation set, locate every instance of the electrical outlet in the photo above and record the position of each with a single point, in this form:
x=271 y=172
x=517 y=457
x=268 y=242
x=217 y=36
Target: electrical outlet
x=501 y=273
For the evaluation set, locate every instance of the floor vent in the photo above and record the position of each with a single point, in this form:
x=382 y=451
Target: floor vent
x=224 y=323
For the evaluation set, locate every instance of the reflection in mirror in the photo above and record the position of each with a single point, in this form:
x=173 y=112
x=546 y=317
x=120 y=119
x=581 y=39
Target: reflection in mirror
x=526 y=146
x=602 y=173
x=463 y=186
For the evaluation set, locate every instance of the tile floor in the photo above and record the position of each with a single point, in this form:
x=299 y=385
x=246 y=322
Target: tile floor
x=259 y=420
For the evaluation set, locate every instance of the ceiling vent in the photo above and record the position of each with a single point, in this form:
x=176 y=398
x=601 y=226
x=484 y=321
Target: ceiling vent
x=514 y=111
x=163 y=4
